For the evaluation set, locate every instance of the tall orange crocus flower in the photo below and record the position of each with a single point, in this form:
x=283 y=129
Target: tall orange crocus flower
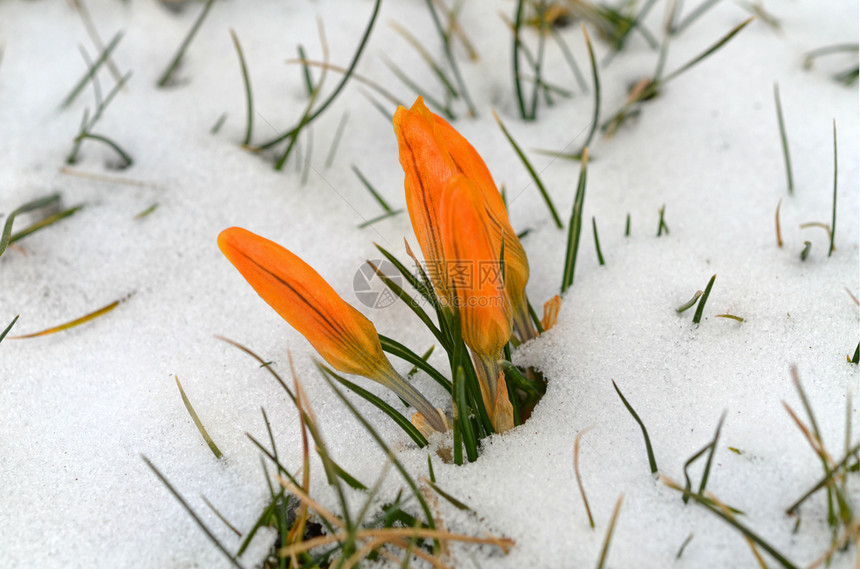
x=432 y=152
x=342 y=335
x=477 y=283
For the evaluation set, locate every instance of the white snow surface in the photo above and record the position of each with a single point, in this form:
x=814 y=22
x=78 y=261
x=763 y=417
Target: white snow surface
x=80 y=407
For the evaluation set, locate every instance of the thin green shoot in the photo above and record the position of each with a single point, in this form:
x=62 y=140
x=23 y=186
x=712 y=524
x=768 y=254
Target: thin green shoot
x=784 y=138
x=604 y=552
x=807 y=246
x=44 y=222
x=835 y=172
x=579 y=476
x=306 y=70
x=246 y=81
x=531 y=171
x=174 y=63
x=855 y=359
x=661 y=226
x=188 y=407
x=87 y=20
x=443 y=108
x=9 y=327
x=725 y=513
x=76 y=322
x=425 y=55
x=88 y=123
x=538 y=66
x=379 y=218
x=371 y=189
x=395 y=415
x=684 y=546
x=192 y=513
x=595 y=77
x=518 y=87
x=218 y=124
x=596 y=241
x=575 y=225
x=650 y=451
x=709 y=448
x=730 y=317
x=147 y=211
x=448 y=497
x=627 y=227
x=220 y=516
x=347 y=74
x=697 y=317
x=6 y=236
x=338 y=134
x=425 y=356
x=452 y=62
x=690 y=303
x=92 y=71
x=568 y=57
x=430 y=469
x=776 y=222
x=694 y=15
x=735 y=450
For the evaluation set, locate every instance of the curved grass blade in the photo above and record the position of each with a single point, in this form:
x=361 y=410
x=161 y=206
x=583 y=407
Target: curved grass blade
x=91 y=72
x=337 y=89
x=212 y=446
x=6 y=236
x=395 y=348
x=174 y=63
x=595 y=76
x=518 y=20
x=45 y=222
x=247 y=82
x=76 y=322
x=835 y=172
x=395 y=415
x=531 y=170
x=784 y=138
x=193 y=515
x=712 y=447
x=105 y=140
x=596 y=241
x=689 y=304
x=651 y=460
x=579 y=477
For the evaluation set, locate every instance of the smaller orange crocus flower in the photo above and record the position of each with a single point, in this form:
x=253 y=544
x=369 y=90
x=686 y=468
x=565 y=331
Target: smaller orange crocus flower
x=431 y=153
x=476 y=279
x=342 y=335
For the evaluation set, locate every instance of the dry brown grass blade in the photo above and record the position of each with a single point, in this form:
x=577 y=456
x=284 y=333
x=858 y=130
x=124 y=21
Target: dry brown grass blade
x=578 y=477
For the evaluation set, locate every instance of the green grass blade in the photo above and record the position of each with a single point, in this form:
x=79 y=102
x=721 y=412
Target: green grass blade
x=518 y=87
x=689 y=304
x=425 y=55
x=826 y=480
x=720 y=43
x=339 y=86
x=91 y=72
x=783 y=137
x=694 y=15
x=595 y=76
x=835 y=172
x=575 y=225
x=395 y=415
x=246 y=80
x=379 y=218
x=422 y=289
x=531 y=170
x=701 y=308
x=430 y=99
x=651 y=460
x=44 y=222
x=188 y=407
x=568 y=56
x=604 y=552
x=336 y=140
x=541 y=14
x=6 y=236
x=113 y=145
x=9 y=327
x=174 y=63
x=452 y=62
x=192 y=513
x=371 y=189
x=397 y=349
x=596 y=241
x=463 y=417
x=306 y=71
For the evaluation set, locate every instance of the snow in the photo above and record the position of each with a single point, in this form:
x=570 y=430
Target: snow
x=80 y=407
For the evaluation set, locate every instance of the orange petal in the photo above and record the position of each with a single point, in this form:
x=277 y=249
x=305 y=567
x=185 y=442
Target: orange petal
x=342 y=335
x=474 y=272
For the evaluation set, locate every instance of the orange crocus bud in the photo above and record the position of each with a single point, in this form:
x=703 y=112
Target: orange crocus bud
x=476 y=281
x=431 y=152
x=342 y=335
